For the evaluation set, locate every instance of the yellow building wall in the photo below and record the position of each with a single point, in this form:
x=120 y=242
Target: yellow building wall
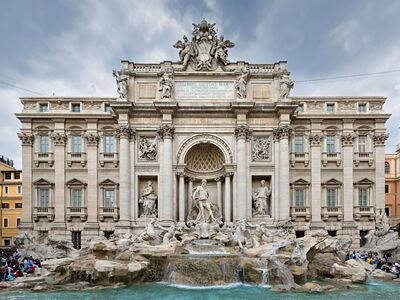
x=12 y=213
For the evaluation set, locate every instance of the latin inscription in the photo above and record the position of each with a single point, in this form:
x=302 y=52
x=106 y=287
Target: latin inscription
x=207 y=90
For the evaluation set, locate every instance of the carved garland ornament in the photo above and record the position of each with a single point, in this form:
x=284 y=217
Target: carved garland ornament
x=27 y=139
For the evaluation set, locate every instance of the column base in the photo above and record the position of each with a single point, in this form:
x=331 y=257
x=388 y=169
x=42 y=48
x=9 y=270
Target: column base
x=317 y=225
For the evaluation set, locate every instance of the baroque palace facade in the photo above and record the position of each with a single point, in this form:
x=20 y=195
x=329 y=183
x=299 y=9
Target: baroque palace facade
x=95 y=166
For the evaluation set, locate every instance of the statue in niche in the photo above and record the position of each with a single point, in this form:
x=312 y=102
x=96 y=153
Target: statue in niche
x=122 y=84
x=261 y=200
x=241 y=85
x=286 y=85
x=261 y=148
x=148 y=200
x=203 y=211
x=147 y=148
x=165 y=85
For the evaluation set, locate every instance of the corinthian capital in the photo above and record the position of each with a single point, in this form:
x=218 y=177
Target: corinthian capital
x=379 y=139
x=59 y=139
x=243 y=132
x=26 y=138
x=284 y=131
x=315 y=139
x=348 y=139
x=124 y=132
x=166 y=131
x=92 y=139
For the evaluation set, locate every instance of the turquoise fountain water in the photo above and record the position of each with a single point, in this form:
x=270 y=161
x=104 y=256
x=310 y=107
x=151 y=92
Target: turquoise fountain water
x=370 y=290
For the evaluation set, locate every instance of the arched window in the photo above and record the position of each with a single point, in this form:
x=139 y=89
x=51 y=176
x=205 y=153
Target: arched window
x=387 y=167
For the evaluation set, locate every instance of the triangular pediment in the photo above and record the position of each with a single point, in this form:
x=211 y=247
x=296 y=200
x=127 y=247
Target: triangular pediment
x=75 y=181
x=42 y=181
x=108 y=182
x=332 y=181
x=300 y=181
x=364 y=181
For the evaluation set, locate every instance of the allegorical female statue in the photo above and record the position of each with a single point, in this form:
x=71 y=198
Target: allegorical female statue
x=148 y=200
x=261 y=200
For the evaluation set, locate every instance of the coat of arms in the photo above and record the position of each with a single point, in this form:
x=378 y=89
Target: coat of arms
x=205 y=51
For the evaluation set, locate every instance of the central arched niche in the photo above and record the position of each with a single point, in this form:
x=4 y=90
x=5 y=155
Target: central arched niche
x=203 y=159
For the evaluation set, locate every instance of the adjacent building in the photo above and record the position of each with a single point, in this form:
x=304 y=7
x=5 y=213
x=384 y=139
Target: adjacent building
x=10 y=201
x=96 y=166
x=392 y=186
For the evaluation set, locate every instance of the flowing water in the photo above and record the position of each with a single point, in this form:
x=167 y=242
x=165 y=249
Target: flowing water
x=371 y=290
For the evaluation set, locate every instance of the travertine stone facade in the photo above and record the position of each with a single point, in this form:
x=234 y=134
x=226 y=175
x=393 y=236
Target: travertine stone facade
x=88 y=160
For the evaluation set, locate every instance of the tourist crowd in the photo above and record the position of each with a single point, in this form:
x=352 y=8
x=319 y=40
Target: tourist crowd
x=16 y=266
x=385 y=263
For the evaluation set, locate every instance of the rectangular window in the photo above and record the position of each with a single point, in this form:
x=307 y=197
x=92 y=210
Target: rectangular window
x=362 y=107
x=108 y=144
x=18 y=221
x=299 y=143
x=6 y=242
x=107 y=107
x=6 y=190
x=109 y=198
x=386 y=189
x=362 y=143
x=18 y=205
x=76 y=197
x=5 y=205
x=17 y=176
x=44 y=144
x=75 y=107
x=331 y=197
x=5 y=222
x=76 y=144
x=76 y=239
x=330 y=107
x=43 y=197
x=363 y=197
x=43 y=107
x=330 y=143
x=299 y=197
x=7 y=175
x=19 y=190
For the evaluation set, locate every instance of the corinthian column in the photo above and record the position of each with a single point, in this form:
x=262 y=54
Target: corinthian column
x=240 y=207
x=27 y=140
x=284 y=197
x=124 y=132
x=348 y=205
x=277 y=179
x=166 y=201
x=379 y=152
x=315 y=145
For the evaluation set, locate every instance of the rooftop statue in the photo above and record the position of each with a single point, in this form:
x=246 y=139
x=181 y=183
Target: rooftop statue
x=122 y=84
x=205 y=51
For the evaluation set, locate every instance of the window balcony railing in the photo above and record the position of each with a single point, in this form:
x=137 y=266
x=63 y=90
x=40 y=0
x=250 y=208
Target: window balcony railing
x=78 y=212
x=43 y=157
x=76 y=157
x=332 y=211
x=300 y=211
x=364 y=211
x=43 y=212
x=109 y=157
x=331 y=157
x=109 y=212
x=302 y=157
x=363 y=157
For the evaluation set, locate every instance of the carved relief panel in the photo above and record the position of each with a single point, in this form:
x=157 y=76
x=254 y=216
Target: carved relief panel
x=261 y=148
x=147 y=148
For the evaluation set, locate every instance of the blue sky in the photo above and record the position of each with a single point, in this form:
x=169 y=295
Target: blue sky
x=70 y=47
